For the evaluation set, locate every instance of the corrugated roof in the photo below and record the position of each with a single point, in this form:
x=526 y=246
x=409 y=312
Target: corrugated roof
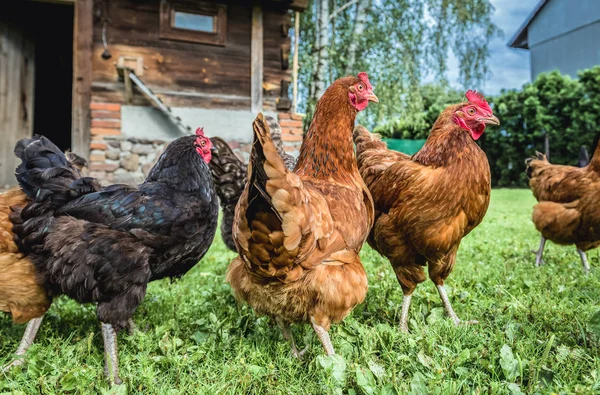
x=519 y=39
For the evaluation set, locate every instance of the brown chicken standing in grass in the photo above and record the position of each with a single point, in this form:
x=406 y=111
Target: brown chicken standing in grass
x=299 y=232
x=426 y=204
x=560 y=215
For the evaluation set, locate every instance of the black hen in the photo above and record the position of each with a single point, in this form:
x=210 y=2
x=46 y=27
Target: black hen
x=104 y=247
x=230 y=175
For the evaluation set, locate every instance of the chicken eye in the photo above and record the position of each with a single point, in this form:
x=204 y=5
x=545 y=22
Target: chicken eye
x=203 y=143
x=471 y=111
x=360 y=87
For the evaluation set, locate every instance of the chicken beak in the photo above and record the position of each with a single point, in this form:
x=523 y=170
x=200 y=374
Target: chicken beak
x=491 y=120
x=372 y=98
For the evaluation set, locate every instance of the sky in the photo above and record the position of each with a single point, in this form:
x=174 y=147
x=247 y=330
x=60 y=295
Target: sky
x=509 y=67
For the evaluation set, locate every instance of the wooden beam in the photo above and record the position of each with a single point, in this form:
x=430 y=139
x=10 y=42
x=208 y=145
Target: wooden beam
x=256 y=60
x=83 y=31
x=295 y=62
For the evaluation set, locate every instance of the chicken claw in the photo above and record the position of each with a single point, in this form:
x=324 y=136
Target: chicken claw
x=584 y=261
x=448 y=306
x=28 y=337
x=287 y=334
x=539 y=260
x=111 y=354
x=323 y=336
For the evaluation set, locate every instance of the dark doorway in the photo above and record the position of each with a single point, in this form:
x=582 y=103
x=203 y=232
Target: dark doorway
x=50 y=25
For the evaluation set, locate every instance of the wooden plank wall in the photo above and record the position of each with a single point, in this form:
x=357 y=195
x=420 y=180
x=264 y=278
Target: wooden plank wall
x=188 y=74
x=82 y=77
x=17 y=70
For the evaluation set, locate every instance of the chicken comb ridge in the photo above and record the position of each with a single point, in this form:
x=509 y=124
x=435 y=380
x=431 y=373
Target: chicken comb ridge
x=477 y=98
x=364 y=77
x=200 y=132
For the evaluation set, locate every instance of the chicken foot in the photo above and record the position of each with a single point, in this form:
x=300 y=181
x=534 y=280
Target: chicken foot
x=287 y=334
x=539 y=260
x=28 y=337
x=404 y=316
x=449 y=309
x=111 y=354
x=584 y=261
x=323 y=336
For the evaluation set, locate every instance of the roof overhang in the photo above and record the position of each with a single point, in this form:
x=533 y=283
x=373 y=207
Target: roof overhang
x=520 y=38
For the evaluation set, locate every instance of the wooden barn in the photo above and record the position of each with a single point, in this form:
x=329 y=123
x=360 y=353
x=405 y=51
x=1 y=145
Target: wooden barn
x=115 y=80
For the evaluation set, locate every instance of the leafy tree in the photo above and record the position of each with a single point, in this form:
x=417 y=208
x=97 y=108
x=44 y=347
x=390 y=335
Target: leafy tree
x=417 y=124
x=399 y=43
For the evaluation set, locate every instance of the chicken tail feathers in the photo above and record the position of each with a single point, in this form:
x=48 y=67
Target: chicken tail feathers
x=229 y=174
x=45 y=172
x=275 y=128
x=533 y=161
x=265 y=162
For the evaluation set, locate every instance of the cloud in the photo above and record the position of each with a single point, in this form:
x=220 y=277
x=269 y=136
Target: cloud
x=509 y=67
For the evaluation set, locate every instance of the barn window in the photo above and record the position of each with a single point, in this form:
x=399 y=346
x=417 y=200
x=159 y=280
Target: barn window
x=198 y=22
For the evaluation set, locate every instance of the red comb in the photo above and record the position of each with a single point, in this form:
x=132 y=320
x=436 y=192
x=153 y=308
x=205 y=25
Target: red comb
x=364 y=77
x=200 y=132
x=477 y=98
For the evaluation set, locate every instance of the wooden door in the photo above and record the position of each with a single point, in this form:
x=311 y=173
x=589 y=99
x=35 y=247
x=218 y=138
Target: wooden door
x=17 y=67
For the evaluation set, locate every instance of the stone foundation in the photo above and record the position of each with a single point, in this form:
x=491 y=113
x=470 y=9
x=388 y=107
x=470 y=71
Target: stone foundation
x=119 y=159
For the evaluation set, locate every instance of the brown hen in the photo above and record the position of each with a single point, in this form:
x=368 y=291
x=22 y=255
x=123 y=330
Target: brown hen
x=426 y=204
x=559 y=189
x=299 y=232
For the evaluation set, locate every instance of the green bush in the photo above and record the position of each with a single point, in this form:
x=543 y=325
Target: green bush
x=568 y=110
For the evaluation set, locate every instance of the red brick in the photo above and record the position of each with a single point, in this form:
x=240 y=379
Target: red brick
x=298 y=117
x=290 y=124
x=105 y=132
x=98 y=145
x=105 y=106
x=289 y=148
x=284 y=115
x=291 y=137
x=99 y=123
x=104 y=166
x=106 y=114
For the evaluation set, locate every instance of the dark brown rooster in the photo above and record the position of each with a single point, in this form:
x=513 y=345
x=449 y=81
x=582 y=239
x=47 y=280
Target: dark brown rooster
x=299 y=232
x=230 y=174
x=426 y=204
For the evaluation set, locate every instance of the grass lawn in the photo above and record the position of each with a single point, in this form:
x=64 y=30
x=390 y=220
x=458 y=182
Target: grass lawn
x=535 y=333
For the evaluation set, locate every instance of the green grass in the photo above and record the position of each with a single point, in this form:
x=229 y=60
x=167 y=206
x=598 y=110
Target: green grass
x=534 y=335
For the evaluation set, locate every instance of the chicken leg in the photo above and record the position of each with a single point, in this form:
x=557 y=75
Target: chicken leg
x=28 y=337
x=404 y=317
x=111 y=354
x=539 y=260
x=323 y=336
x=287 y=334
x=449 y=309
x=584 y=261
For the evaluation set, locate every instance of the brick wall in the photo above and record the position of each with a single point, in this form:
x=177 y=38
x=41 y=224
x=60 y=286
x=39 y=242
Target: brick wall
x=291 y=131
